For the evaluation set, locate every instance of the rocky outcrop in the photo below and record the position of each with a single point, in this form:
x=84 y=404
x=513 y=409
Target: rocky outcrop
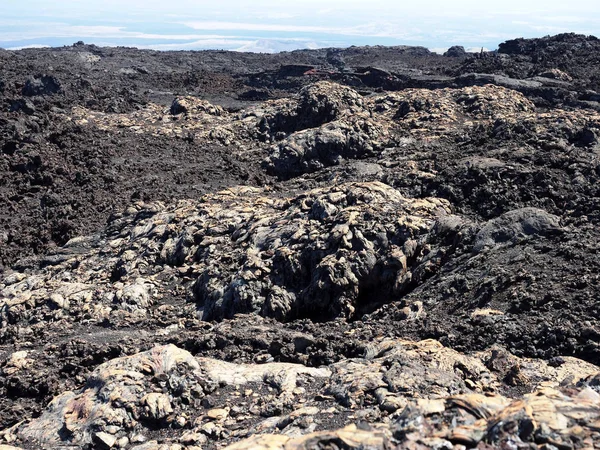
x=192 y=105
x=544 y=418
x=515 y=225
x=456 y=51
x=117 y=396
x=317 y=104
x=453 y=108
x=316 y=256
x=329 y=123
x=323 y=253
x=160 y=388
x=413 y=393
x=310 y=150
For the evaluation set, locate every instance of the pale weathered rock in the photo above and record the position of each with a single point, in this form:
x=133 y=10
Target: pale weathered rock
x=114 y=395
x=228 y=374
x=416 y=382
x=105 y=440
x=312 y=254
x=217 y=413
x=135 y=295
x=17 y=362
x=158 y=406
x=351 y=436
x=545 y=416
x=319 y=254
x=190 y=105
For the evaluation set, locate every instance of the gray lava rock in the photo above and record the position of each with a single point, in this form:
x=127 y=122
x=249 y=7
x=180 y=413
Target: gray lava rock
x=317 y=104
x=311 y=150
x=324 y=102
x=516 y=225
x=499 y=80
x=24 y=105
x=456 y=51
x=44 y=85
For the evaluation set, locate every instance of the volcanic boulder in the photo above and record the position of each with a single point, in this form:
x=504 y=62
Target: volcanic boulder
x=316 y=105
x=456 y=51
x=516 y=225
x=43 y=85
x=310 y=150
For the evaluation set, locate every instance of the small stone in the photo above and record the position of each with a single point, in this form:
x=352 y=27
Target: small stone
x=105 y=440
x=218 y=413
x=307 y=411
x=138 y=438
x=150 y=445
x=263 y=358
x=236 y=411
x=192 y=437
x=17 y=361
x=59 y=301
x=209 y=429
x=158 y=406
x=112 y=429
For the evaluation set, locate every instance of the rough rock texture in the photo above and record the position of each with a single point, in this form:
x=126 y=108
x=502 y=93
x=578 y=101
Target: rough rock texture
x=311 y=150
x=416 y=393
x=311 y=256
x=317 y=255
x=317 y=104
x=361 y=248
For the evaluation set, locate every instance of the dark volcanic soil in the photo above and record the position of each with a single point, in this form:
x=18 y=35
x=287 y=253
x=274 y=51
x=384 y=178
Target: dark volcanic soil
x=390 y=193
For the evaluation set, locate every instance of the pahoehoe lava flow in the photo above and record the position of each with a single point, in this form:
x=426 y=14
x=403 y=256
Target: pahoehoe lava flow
x=361 y=248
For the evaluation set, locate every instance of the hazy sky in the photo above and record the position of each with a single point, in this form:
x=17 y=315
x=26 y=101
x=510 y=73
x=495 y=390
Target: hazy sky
x=268 y=25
